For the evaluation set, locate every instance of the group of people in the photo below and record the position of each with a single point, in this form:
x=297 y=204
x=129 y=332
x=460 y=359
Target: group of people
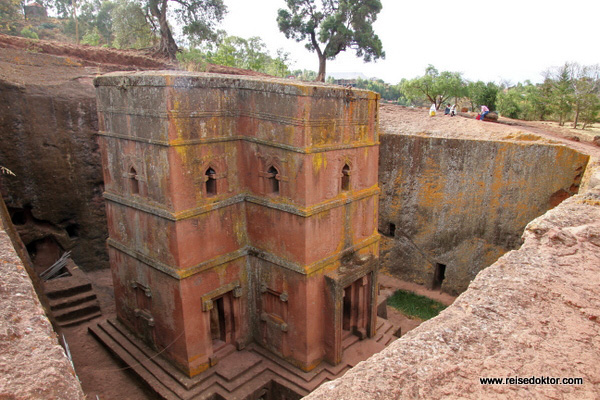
x=451 y=111
x=447 y=111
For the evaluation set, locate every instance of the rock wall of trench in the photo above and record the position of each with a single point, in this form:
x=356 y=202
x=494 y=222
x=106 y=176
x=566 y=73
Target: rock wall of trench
x=534 y=313
x=464 y=203
x=48 y=141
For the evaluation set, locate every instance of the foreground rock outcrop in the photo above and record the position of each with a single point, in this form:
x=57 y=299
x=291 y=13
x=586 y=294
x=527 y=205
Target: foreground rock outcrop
x=535 y=312
x=32 y=363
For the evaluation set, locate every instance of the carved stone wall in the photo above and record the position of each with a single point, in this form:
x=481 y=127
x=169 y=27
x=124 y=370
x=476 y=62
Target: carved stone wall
x=463 y=203
x=227 y=192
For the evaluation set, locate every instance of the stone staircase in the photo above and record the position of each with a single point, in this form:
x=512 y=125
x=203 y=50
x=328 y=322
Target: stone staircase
x=247 y=374
x=71 y=298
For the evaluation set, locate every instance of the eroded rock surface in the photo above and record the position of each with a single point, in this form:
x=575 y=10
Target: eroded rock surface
x=535 y=312
x=32 y=363
x=462 y=203
x=48 y=140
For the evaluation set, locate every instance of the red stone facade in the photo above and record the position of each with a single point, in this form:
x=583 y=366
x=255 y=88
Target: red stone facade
x=240 y=210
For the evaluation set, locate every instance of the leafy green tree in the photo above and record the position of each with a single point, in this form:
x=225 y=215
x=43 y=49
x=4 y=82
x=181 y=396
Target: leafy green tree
x=434 y=87
x=585 y=81
x=559 y=80
x=590 y=109
x=510 y=102
x=69 y=9
x=130 y=27
x=333 y=26
x=305 y=75
x=481 y=93
x=387 y=91
x=96 y=18
x=234 y=51
x=92 y=37
x=197 y=18
x=10 y=12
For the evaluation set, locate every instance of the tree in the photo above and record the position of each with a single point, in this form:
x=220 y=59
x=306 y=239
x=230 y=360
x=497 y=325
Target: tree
x=9 y=13
x=130 y=27
x=387 y=91
x=481 y=93
x=96 y=19
x=434 y=87
x=197 y=17
x=234 y=51
x=332 y=27
x=585 y=82
x=562 y=91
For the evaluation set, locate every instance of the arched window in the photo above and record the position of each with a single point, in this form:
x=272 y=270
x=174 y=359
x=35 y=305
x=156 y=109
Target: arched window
x=273 y=179
x=211 y=182
x=346 y=178
x=134 y=185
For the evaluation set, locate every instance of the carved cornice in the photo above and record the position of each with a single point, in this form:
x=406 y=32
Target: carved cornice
x=195 y=142
x=182 y=273
x=161 y=211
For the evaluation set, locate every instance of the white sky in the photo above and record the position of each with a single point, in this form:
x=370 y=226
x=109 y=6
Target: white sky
x=513 y=40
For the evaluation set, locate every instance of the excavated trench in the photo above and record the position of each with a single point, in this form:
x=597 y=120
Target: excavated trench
x=451 y=207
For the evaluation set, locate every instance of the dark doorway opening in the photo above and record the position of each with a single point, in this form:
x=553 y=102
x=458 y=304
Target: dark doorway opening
x=438 y=276
x=221 y=322
x=392 y=230
x=355 y=309
x=347 y=319
x=44 y=252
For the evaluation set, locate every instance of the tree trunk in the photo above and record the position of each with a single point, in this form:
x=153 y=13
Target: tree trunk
x=576 y=119
x=322 y=57
x=167 y=47
x=321 y=75
x=74 y=16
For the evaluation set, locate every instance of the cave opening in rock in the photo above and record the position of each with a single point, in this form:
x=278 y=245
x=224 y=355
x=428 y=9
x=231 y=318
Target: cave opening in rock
x=44 y=252
x=438 y=276
x=392 y=230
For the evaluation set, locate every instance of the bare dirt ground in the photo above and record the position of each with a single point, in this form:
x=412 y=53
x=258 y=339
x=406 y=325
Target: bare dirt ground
x=395 y=119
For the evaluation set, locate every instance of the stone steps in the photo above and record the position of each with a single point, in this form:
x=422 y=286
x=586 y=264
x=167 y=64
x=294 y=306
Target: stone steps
x=385 y=332
x=78 y=313
x=243 y=374
x=72 y=299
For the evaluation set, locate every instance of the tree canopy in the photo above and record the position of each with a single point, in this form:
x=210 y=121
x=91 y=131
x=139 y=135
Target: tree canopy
x=332 y=26
x=238 y=52
x=435 y=87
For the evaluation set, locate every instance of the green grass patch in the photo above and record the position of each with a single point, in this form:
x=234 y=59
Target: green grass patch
x=414 y=305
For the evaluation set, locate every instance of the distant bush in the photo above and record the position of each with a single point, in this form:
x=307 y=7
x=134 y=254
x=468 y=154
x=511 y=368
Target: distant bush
x=48 y=25
x=92 y=37
x=29 y=33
